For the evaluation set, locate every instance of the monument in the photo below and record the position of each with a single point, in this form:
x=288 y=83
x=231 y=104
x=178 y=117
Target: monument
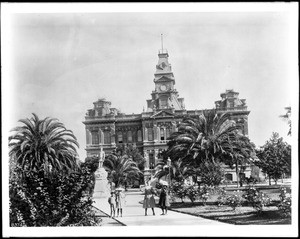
x=101 y=185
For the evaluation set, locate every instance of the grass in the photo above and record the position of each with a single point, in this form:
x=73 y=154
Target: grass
x=243 y=215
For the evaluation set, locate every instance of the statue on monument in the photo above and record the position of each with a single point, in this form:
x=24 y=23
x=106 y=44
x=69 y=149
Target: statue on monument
x=101 y=185
x=101 y=157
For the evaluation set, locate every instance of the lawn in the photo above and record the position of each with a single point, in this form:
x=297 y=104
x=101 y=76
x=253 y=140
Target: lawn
x=243 y=215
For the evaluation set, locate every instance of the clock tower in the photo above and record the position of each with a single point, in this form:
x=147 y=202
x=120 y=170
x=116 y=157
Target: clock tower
x=165 y=96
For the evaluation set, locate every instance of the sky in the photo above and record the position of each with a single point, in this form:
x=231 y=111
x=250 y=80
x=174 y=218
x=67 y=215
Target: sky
x=63 y=62
x=57 y=59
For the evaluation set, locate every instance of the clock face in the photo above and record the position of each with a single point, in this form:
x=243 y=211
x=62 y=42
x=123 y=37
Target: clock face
x=163 y=87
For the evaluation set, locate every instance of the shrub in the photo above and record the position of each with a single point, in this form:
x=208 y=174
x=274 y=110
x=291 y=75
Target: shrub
x=211 y=174
x=256 y=199
x=285 y=204
x=52 y=200
x=178 y=190
x=221 y=200
x=191 y=193
x=234 y=200
x=203 y=194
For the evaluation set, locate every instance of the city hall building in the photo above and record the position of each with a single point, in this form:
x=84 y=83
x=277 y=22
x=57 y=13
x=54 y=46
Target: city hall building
x=149 y=130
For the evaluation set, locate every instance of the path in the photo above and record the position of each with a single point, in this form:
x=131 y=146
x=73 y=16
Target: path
x=133 y=213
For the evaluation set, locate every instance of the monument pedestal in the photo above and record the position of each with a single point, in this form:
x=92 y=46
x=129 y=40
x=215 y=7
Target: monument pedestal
x=101 y=189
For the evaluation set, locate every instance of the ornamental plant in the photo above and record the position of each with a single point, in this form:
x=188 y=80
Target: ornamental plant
x=258 y=200
x=285 y=203
x=191 y=193
x=221 y=200
x=178 y=190
x=203 y=194
x=234 y=200
x=53 y=200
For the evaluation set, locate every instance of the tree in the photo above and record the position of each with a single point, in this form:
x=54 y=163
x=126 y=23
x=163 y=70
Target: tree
x=275 y=157
x=132 y=152
x=210 y=174
x=179 y=170
x=202 y=139
x=48 y=186
x=121 y=168
x=287 y=118
x=43 y=144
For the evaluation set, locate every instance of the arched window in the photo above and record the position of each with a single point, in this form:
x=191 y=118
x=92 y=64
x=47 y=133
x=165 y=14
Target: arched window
x=120 y=137
x=107 y=137
x=129 y=136
x=162 y=134
x=95 y=137
x=139 y=135
x=168 y=132
x=150 y=134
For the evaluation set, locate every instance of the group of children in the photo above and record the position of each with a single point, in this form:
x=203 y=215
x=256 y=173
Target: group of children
x=149 y=200
x=116 y=201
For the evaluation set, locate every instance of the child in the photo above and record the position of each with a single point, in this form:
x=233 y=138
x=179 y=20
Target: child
x=112 y=203
x=120 y=201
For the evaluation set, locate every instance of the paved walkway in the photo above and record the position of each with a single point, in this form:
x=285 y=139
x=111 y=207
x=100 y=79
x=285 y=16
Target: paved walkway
x=133 y=213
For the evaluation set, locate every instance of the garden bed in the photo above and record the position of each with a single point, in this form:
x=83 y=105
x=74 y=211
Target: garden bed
x=242 y=215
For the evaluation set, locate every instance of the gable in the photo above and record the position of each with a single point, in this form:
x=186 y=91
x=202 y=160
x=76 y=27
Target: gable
x=163 y=79
x=162 y=113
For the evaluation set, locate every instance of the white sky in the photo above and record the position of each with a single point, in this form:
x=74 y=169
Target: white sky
x=58 y=64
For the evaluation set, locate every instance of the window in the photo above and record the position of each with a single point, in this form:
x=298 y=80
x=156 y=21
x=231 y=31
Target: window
x=162 y=134
x=228 y=176
x=151 y=161
x=129 y=136
x=120 y=137
x=164 y=103
x=168 y=132
x=95 y=137
x=150 y=134
x=139 y=135
x=106 y=137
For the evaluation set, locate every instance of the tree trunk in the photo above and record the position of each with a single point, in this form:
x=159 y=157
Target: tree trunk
x=269 y=180
x=237 y=175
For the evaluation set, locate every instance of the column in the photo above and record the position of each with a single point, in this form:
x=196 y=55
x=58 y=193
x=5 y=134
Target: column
x=101 y=137
x=145 y=131
x=88 y=136
x=155 y=132
x=113 y=134
x=165 y=133
x=155 y=156
x=174 y=128
x=146 y=156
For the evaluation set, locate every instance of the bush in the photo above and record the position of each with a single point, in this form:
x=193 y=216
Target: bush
x=234 y=200
x=211 y=174
x=203 y=194
x=38 y=200
x=256 y=199
x=191 y=193
x=221 y=200
x=178 y=190
x=285 y=204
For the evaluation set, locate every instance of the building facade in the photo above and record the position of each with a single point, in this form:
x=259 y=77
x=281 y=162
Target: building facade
x=149 y=131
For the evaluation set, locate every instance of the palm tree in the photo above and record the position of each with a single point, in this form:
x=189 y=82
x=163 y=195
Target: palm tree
x=43 y=144
x=202 y=138
x=120 y=168
x=179 y=169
